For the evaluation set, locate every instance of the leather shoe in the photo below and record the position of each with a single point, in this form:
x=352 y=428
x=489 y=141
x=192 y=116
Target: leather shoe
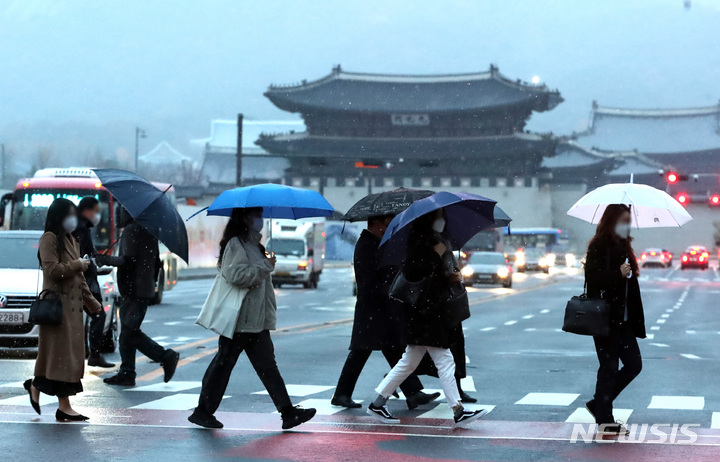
x=121 y=378
x=169 y=364
x=35 y=405
x=60 y=416
x=98 y=360
x=204 y=420
x=344 y=401
x=465 y=398
x=420 y=398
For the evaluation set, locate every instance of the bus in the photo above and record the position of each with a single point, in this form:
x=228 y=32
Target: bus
x=553 y=241
x=26 y=207
x=489 y=240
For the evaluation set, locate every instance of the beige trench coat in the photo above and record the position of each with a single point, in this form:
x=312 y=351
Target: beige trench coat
x=61 y=348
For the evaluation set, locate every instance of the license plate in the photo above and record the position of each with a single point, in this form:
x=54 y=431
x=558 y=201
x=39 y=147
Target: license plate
x=281 y=273
x=484 y=277
x=13 y=317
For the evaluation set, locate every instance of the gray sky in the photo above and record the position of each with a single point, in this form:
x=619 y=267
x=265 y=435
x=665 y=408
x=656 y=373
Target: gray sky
x=76 y=75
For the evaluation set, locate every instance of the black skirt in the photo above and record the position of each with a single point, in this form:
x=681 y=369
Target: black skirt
x=57 y=388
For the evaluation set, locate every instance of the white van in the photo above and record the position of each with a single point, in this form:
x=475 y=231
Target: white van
x=299 y=247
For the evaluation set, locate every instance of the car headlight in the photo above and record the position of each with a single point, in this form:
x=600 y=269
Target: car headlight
x=551 y=259
x=570 y=259
x=503 y=272
x=520 y=260
x=543 y=262
x=467 y=271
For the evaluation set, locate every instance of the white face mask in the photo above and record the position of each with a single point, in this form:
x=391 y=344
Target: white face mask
x=439 y=225
x=95 y=219
x=622 y=230
x=70 y=223
x=257 y=224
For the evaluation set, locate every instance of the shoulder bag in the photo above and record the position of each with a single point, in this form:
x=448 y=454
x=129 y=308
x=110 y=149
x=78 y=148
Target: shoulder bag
x=46 y=311
x=587 y=316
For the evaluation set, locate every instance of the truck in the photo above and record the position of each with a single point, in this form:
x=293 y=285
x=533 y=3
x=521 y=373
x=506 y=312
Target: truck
x=299 y=247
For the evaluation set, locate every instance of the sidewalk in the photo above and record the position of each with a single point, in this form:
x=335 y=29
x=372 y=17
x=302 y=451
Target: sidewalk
x=185 y=274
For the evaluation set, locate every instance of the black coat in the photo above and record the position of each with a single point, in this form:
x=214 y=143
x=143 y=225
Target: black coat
x=427 y=323
x=139 y=272
x=379 y=319
x=84 y=237
x=604 y=280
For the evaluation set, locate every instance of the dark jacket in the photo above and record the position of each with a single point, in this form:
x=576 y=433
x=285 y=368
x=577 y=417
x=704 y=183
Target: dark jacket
x=379 y=319
x=604 y=280
x=87 y=247
x=139 y=272
x=427 y=323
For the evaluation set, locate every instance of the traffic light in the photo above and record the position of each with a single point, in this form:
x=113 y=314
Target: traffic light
x=683 y=198
x=674 y=177
x=715 y=200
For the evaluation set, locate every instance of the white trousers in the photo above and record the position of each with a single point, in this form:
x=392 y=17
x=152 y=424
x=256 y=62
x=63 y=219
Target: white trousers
x=410 y=360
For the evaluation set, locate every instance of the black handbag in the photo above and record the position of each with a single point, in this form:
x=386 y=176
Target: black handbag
x=405 y=291
x=46 y=311
x=457 y=305
x=587 y=316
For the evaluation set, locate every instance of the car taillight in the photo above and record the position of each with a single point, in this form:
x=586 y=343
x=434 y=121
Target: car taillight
x=705 y=254
x=662 y=257
x=108 y=287
x=684 y=258
x=644 y=256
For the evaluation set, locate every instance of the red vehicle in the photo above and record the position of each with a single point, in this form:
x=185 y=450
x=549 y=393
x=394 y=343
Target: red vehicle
x=695 y=256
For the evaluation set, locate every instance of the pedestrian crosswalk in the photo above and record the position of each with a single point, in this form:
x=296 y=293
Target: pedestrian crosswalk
x=562 y=406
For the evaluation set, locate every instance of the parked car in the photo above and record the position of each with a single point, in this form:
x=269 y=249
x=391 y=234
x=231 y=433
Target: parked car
x=695 y=256
x=20 y=282
x=487 y=268
x=656 y=257
x=532 y=259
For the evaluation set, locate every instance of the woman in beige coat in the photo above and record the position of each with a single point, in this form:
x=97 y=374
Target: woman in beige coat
x=61 y=348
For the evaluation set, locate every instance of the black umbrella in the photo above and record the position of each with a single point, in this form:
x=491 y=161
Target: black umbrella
x=502 y=219
x=149 y=206
x=385 y=203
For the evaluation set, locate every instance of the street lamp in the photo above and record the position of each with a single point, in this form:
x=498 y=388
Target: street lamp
x=139 y=133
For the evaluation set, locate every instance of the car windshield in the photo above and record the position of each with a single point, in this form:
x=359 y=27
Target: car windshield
x=695 y=249
x=19 y=253
x=534 y=253
x=487 y=259
x=281 y=246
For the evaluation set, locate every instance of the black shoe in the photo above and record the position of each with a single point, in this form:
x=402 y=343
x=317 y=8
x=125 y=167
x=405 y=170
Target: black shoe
x=464 y=417
x=344 y=401
x=204 y=420
x=121 y=378
x=420 y=399
x=98 y=360
x=295 y=416
x=613 y=429
x=590 y=406
x=465 y=398
x=169 y=364
x=382 y=414
x=60 y=416
x=35 y=405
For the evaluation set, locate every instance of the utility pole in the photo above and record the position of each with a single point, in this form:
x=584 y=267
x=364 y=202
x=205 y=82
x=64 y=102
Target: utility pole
x=238 y=152
x=139 y=133
x=3 y=166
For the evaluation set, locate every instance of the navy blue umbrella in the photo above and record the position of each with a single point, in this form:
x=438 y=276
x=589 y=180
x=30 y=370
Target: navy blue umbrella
x=149 y=206
x=466 y=215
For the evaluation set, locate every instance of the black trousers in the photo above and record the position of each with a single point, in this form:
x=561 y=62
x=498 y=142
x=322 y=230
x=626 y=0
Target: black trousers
x=356 y=361
x=261 y=353
x=95 y=329
x=132 y=339
x=612 y=380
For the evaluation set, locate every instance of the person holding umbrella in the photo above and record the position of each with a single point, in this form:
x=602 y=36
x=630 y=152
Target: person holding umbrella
x=378 y=323
x=428 y=328
x=137 y=277
x=245 y=278
x=611 y=273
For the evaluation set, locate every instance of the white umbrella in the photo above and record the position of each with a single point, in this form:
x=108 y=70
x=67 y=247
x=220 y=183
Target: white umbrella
x=650 y=207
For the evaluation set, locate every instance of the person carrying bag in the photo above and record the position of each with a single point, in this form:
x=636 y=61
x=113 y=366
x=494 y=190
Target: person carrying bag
x=241 y=308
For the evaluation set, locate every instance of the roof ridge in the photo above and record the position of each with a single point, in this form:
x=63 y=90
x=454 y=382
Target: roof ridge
x=655 y=112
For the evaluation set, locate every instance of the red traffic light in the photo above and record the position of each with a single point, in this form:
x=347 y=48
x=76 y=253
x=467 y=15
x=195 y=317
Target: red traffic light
x=683 y=198
x=672 y=177
x=715 y=200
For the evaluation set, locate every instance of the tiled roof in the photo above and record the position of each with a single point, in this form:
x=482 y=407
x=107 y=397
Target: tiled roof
x=572 y=155
x=358 y=92
x=656 y=131
x=219 y=168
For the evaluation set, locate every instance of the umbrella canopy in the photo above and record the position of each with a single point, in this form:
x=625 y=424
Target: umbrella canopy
x=385 y=203
x=502 y=219
x=149 y=206
x=276 y=200
x=650 y=207
x=466 y=215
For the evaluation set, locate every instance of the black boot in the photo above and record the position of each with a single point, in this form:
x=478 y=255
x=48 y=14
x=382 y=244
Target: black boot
x=464 y=397
x=420 y=398
x=294 y=416
x=121 y=378
x=204 y=419
x=95 y=359
x=169 y=364
x=344 y=401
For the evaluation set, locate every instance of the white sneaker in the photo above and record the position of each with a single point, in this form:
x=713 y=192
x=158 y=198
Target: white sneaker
x=381 y=414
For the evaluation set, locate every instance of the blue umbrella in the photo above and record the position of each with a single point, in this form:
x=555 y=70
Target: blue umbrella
x=149 y=206
x=466 y=215
x=276 y=200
